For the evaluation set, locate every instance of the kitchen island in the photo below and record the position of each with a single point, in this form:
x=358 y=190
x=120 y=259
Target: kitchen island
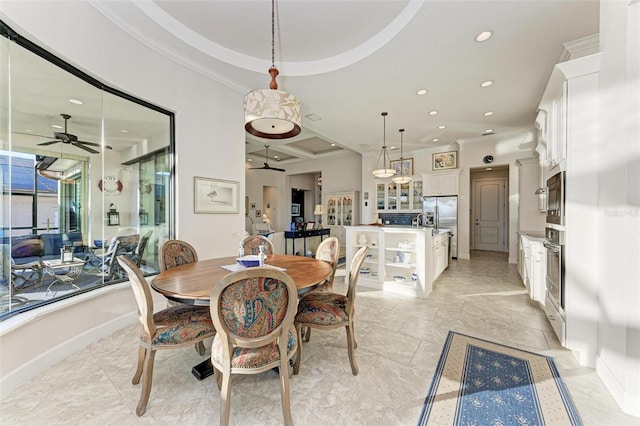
x=401 y=259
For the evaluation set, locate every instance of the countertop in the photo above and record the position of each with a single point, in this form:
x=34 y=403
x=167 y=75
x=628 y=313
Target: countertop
x=403 y=228
x=532 y=234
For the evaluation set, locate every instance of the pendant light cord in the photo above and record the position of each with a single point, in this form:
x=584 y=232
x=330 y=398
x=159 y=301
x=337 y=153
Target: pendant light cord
x=273 y=33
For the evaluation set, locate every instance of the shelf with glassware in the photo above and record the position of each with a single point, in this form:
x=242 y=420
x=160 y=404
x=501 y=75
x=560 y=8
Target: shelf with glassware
x=391 y=196
x=400 y=258
x=342 y=210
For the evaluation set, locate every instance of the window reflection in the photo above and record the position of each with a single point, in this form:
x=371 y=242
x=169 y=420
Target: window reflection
x=75 y=198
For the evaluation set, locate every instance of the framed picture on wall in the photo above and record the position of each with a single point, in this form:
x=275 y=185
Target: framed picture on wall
x=215 y=195
x=295 y=209
x=445 y=160
x=405 y=165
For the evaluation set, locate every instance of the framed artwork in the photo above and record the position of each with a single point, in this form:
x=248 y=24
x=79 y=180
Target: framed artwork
x=215 y=195
x=253 y=206
x=445 y=160
x=295 y=209
x=258 y=213
x=310 y=226
x=405 y=165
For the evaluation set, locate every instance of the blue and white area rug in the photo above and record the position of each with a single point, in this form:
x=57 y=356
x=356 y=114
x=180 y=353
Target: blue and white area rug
x=478 y=382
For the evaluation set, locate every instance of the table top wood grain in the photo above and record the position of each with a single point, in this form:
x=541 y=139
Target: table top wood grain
x=193 y=283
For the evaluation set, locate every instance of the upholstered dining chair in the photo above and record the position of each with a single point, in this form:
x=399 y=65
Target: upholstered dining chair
x=331 y=310
x=174 y=253
x=253 y=312
x=252 y=242
x=171 y=328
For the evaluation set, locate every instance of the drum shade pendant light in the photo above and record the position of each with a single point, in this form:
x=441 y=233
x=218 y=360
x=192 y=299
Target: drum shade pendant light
x=383 y=172
x=272 y=113
x=402 y=178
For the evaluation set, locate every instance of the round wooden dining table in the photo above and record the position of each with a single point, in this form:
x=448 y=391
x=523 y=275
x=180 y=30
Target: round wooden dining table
x=192 y=283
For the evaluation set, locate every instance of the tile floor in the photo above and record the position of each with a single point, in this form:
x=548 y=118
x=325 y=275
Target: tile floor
x=399 y=343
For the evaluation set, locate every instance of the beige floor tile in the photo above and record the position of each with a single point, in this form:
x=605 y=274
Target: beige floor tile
x=399 y=344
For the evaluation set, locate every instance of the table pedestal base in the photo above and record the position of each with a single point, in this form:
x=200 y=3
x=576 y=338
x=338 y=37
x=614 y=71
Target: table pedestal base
x=203 y=370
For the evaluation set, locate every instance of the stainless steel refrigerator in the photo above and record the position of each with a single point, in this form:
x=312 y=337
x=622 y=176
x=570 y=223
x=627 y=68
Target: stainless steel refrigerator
x=442 y=213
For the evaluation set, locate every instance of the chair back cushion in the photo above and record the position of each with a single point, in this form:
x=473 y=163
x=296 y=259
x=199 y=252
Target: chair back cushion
x=174 y=253
x=28 y=248
x=251 y=244
x=254 y=307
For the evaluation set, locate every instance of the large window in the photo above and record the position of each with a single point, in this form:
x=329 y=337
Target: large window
x=86 y=176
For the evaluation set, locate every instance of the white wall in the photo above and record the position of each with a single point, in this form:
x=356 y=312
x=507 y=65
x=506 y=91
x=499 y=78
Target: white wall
x=618 y=250
x=209 y=142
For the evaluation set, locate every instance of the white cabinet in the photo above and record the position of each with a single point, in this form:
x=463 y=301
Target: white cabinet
x=392 y=196
x=342 y=208
x=441 y=183
x=529 y=215
x=533 y=266
x=440 y=254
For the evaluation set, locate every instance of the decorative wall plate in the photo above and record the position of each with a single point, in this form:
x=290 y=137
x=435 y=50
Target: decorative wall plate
x=488 y=159
x=110 y=185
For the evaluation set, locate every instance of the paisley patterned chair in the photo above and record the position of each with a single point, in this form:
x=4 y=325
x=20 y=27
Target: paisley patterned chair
x=171 y=328
x=174 y=253
x=253 y=311
x=252 y=242
x=331 y=310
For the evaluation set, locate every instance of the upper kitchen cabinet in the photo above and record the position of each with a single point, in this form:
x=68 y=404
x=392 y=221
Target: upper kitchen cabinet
x=552 y=122
x=441 y=183
x=391 y=196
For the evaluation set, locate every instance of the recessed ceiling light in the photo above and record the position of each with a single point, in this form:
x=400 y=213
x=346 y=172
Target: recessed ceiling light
x=276 y=157
x=124 y=131
x=486 y=83
x=489 y=168
x=484 y=36
x=392 y=147
x=488 y=113
x=249 y=160
x=313 y=117
x=434 y=112
x=333 y=144
x=436 y=140
x=489 y=131
x=28 y=130
x=421 y=92
x=55 y=126
x=76 y=101
x=442 y=126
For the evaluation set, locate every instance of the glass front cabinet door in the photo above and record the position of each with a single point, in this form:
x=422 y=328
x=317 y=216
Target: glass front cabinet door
x=392 y=196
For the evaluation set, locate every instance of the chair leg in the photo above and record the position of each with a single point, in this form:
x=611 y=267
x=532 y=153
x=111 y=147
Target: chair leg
x=352 y=356
x=218 y=375
x=284 y=391
x=307 y=334
x=298 y=355
x=225 y=398
x=141 y=356
x=200 y=348
x=146 y=382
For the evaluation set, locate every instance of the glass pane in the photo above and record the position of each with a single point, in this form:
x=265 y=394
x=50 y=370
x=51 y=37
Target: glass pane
x=404 y=196
x=380 y=196
x=392 y=197
x=82 y=182
x=417 y=194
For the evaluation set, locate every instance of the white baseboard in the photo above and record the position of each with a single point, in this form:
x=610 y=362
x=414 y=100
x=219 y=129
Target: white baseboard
x=628 y=402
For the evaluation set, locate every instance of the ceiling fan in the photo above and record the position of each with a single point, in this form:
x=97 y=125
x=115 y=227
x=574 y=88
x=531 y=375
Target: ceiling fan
x=266 y=163
x=71 y=139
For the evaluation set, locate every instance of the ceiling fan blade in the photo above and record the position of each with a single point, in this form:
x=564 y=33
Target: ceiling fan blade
x=31 y=134
x=277 y=169
x=94 y=144
x=49 y=143
x=86 y=148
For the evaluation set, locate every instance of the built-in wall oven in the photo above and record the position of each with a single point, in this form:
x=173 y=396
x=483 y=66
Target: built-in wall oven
x=555 y=198
x=555 y=300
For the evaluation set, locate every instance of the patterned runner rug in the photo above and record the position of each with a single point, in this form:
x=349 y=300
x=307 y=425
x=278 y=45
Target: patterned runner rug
x=478 y=382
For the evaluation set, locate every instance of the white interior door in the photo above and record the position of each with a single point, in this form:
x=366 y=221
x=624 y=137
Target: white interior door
x=489 y=214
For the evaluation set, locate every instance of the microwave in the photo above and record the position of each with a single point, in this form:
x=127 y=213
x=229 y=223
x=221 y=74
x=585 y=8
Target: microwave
x=556 y=198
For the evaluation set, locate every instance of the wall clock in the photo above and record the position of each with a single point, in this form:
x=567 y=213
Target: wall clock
x=110 y=185
x=488 y=159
